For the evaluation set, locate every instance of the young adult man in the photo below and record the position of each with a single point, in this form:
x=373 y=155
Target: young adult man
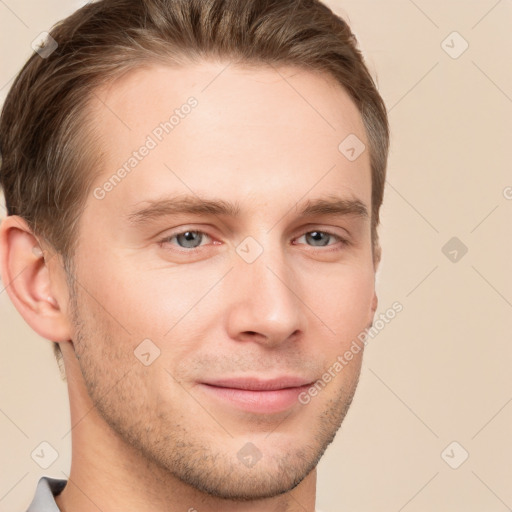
x=193 y=190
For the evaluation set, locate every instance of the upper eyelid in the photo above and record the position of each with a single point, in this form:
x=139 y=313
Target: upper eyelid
x=306 y=228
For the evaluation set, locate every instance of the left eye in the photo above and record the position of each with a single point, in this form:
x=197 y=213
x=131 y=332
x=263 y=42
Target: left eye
x=320 y=237
x=189 y=239
x=193 y=239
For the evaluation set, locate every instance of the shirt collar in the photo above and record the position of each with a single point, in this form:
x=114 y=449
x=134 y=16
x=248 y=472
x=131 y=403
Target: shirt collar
x=44 y=499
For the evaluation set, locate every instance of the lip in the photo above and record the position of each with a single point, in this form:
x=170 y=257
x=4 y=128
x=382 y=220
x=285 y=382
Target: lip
x=256 y=395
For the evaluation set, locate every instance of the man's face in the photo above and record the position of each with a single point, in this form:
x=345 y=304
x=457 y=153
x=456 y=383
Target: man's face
x=238 y=306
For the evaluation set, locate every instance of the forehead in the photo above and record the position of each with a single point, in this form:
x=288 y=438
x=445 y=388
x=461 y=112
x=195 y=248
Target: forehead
x=272 y=132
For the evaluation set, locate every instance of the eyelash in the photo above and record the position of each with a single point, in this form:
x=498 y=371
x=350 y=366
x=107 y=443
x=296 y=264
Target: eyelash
x=342 y=241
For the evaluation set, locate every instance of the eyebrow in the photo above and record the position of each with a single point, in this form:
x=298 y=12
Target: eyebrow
x=195 y=205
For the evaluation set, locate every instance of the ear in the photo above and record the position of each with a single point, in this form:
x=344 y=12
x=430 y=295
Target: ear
x=377 y=254
x=375 y=303
x=24 y=267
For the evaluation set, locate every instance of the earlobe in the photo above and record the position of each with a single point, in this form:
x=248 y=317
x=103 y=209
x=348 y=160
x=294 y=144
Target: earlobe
x=26 y=277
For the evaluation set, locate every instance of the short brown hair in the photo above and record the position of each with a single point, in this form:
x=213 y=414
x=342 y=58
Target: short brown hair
x=46 y=138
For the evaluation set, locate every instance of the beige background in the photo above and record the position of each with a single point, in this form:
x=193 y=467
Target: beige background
x=440 y=371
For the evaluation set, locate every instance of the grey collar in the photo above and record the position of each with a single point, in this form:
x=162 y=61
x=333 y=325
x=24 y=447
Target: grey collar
x=44 y=499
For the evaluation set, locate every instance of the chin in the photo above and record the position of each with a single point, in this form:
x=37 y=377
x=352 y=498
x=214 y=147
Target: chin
x=251 y=484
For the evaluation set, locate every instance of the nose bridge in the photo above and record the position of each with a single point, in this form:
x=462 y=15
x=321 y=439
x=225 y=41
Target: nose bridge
x=266 y=297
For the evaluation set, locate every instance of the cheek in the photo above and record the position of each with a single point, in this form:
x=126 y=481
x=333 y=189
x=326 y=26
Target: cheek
x=141 y=303
x=345 y=308
x=343 y=299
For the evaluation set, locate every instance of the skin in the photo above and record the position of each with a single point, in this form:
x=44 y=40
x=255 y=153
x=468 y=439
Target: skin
x=152 y=437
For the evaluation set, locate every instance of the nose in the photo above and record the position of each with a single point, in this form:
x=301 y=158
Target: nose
x=265 y=304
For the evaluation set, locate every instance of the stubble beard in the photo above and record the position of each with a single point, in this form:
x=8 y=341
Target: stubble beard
x=170 y=449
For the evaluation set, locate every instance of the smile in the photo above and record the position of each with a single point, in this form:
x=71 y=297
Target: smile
x=257 y=395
